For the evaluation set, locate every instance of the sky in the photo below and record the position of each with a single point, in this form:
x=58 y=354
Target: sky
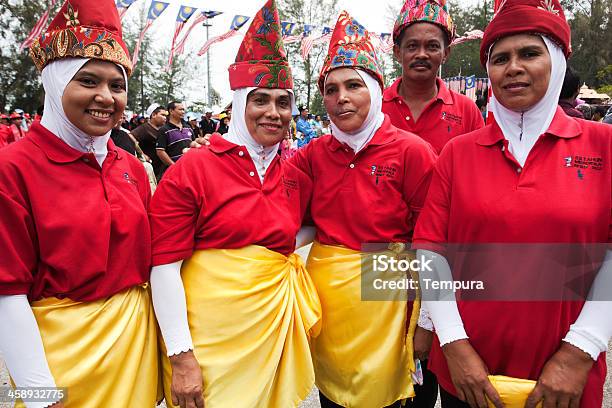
x=377 y=19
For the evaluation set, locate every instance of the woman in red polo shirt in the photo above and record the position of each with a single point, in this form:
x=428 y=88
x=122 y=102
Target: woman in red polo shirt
x=370 y=180
x=74 y=231
x=535 y=180
x=234 y=303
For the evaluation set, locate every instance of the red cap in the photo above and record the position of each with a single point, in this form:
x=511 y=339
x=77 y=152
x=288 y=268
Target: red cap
x=83 y=28
x=15 y=115
x=540 y=17
x=262 y=61
x=350 y=47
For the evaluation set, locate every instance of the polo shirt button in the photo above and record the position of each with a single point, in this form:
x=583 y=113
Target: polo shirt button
x=252 y=174
x=352 y=166
x=241 y=153
x=407 y=117
x=519 y=170
x=503 y=148
x=86 y=160
x=400 y=102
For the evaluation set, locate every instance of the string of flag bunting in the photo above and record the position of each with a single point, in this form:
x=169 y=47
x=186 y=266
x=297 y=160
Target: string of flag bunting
x=307 y=37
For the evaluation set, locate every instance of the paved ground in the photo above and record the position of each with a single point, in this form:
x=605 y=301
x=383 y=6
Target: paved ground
x=313 y=402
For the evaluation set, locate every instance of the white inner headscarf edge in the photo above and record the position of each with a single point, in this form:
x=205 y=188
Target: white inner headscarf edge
x=538 y=118
x=55 y=78
x=239 y=134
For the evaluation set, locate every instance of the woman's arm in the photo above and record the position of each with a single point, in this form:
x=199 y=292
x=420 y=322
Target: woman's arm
x=22 y=346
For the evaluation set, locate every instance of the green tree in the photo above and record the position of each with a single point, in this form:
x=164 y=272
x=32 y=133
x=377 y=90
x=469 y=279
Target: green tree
x=20 y=85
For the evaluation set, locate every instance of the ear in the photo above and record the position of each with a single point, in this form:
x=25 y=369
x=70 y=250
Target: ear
x=396 y=53
x=447 y=52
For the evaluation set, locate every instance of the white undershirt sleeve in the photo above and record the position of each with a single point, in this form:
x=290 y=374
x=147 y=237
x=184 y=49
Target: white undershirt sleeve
x=171 y=307
x=593 y=329
x=22 y=346
x=441 y=304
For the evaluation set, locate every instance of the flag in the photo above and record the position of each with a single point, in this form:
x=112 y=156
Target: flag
x=470 y=87
x=38 y=29
x=469 y=36
x=184 y=14
x=237 y=22
x=287 y=30
x=155 y=10
x=123 y=6
x=307 y=41
x=385 y=42
x=204 y=16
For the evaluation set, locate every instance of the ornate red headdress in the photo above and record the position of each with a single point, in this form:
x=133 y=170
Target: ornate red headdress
x=262 y=60
x=512 y=17
x=83 y=28
x=350 y=46
x=428 y=11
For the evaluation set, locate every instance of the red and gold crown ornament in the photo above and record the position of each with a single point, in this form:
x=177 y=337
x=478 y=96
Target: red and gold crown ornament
x=83 y=29
x=351 y=47
x=261 y=60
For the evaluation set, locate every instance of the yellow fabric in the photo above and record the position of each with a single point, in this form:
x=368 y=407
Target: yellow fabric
x=364 y=355
x=512 y=391
x=104 y=352
x=251 y=312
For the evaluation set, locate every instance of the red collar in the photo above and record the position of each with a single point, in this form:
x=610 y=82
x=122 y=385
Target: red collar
x=384 y=135
x=218 y=144
x=562 y=126
x=57 y=150
x=444 y=94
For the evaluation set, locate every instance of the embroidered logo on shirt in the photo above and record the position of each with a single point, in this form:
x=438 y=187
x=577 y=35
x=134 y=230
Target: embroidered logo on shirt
x=288 y=185
x=580 y=175
x=129 y=179
x=382 y=171
x=584 y=162
x=452 y=118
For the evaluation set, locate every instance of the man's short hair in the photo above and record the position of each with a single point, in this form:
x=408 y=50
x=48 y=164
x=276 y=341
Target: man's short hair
x=157 y=110
x=172 y=105
x=400 y=37
x=571 y=84
x=302 y=109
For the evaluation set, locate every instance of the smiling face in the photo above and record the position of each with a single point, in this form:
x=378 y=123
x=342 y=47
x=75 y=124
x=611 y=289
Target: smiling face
x=346 y=98
x=421 y=50
x=267 y=115
x=519 y=70
x=95 y=98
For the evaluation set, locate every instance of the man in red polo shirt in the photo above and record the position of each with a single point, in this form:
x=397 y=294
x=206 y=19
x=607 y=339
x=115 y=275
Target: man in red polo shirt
x=419 y=101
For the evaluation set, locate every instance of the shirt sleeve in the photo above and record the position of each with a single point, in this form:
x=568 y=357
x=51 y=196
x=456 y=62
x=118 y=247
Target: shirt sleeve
x=431 y=231
x=162 y=139
x=419 y=161
x=18 y=256
x=175 y=210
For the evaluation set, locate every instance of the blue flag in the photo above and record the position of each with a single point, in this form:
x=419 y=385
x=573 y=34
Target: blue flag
x=238 y=22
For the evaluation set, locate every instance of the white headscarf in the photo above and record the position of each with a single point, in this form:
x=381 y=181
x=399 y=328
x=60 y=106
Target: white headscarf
x=538 y=118
x=238 y=133
x=358 y=139
x=55 y=77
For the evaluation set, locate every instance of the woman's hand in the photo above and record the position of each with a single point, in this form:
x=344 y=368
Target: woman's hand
x=470 y=375
x=187 y=383
x=563 y=379
x=422 y=343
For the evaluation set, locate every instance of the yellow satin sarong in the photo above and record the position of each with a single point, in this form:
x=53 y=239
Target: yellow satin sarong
x=512 y=391
x=251 y=312
x=104 y=352
x=363 y=357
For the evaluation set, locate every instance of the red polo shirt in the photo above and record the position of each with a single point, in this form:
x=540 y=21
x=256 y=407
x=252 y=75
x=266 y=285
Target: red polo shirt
x=68 y=228
x=213 y=198
x=448 y=115
x=373 y=196
x=480 y=194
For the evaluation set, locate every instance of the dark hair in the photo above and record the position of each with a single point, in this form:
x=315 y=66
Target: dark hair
x=172 y=105
x=601 y=110
x=481 y=103
x=400 y=37
x=571 y=84
x=157 y=110
x=302 y=109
